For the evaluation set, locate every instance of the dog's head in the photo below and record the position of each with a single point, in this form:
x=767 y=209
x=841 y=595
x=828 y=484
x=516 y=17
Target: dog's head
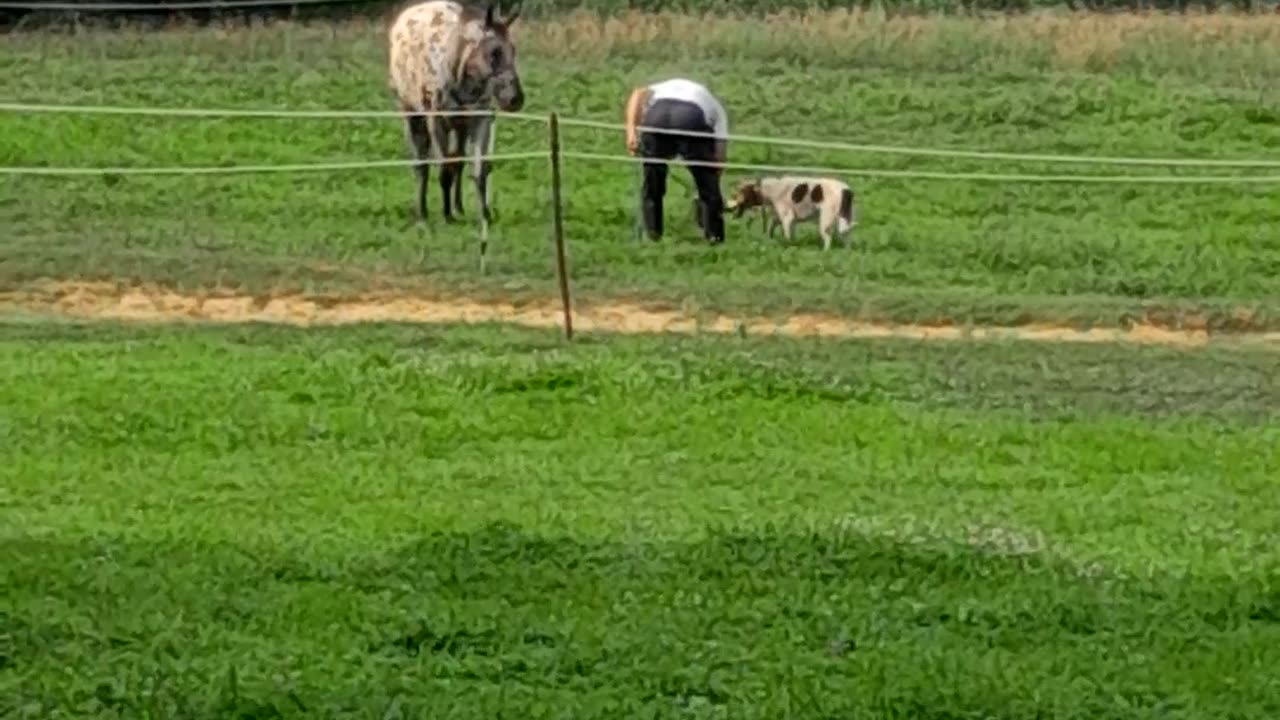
x=746 y=196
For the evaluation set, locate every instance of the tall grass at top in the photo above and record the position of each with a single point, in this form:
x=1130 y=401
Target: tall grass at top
x=1195 y=44
x=1241 y=48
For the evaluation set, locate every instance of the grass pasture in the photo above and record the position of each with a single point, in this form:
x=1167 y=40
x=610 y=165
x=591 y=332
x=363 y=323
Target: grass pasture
x=928 y=249
x=259 y=522
x=406 y=521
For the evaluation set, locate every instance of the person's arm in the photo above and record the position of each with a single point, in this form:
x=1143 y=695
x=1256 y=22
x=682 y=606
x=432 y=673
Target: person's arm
x=631 y=118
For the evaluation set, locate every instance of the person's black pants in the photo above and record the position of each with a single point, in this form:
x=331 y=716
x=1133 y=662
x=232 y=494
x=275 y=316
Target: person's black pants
x=680 y=115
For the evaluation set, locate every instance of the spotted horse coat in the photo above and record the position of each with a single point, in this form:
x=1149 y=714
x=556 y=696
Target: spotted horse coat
x=446 y=56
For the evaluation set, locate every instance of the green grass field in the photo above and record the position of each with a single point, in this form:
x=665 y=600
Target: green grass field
x=395 y=521
x=468 y=523
x=927 y=249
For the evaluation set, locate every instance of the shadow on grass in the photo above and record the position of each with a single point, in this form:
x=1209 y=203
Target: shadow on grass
x=753 y=623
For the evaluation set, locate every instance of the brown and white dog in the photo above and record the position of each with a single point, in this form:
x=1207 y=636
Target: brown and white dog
x=793 y=198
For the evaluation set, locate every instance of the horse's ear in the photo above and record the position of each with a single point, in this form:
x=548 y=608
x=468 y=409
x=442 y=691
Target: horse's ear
x=490 y=19
x=510 y=17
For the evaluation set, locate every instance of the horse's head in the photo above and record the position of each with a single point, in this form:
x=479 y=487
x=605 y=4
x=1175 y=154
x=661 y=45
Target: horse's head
x=493 y=60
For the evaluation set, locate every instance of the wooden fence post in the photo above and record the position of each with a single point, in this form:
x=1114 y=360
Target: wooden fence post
x=557 y=223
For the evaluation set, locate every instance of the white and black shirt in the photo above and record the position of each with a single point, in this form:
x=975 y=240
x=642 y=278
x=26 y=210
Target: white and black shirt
x=692 y=92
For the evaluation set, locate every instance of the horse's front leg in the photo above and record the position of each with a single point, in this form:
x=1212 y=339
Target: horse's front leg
x=481 y=136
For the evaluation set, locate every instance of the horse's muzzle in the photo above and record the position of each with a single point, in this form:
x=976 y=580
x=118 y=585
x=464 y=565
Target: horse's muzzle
x=511 y=99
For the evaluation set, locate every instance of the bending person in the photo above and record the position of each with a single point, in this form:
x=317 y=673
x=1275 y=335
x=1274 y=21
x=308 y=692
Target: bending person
x=679 y=104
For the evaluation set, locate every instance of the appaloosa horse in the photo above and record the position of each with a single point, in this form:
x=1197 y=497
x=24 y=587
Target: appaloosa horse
x=446 y=56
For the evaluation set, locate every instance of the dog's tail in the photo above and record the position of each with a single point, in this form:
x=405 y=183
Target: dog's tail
x=846 y=206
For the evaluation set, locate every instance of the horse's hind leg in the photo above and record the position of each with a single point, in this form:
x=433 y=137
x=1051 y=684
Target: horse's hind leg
x=448 y=176
x=460 y=131
x=440 y=132
x=419 y=139
x=457 y=189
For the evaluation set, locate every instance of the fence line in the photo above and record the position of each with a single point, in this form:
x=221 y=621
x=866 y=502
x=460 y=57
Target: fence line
x=251 y=169
x=263 y=113
x=603 y=157
x=928 y=175
x=599 y=124
x=159 y=7
x=555 y=153
x=934 y=152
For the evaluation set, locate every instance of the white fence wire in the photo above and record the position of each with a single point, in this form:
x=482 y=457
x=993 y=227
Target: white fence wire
x=928 y=175
x=939 y=152
x=13 y=107
x=256 y=112
x=604 y=157
x=253 y=169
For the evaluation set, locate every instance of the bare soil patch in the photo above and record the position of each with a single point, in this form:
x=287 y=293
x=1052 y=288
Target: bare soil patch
x=105 y=301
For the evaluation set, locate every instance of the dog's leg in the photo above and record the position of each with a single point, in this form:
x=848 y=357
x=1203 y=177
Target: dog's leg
x=827 y=224
x=788 y=220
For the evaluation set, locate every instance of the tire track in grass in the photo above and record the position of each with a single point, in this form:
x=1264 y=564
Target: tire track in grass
x=106 y=301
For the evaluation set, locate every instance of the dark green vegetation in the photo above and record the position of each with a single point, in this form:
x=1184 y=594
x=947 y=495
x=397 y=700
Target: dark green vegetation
x=460 y=523
x=986 y=252
x=340 y=9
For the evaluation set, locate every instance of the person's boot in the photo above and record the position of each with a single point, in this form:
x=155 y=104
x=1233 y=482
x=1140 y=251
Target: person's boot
x=699 y=215
x=653 y=218
x=712 y=222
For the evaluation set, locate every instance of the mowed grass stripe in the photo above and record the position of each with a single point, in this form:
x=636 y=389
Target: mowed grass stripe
x=697 y=428
x=1045 y=379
